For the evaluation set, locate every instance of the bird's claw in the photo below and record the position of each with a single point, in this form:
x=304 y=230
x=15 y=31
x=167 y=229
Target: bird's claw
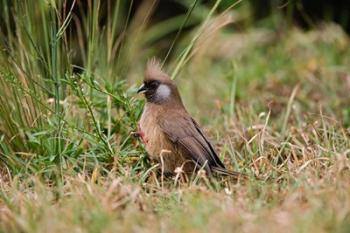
x=140 y=134
x=136 y=134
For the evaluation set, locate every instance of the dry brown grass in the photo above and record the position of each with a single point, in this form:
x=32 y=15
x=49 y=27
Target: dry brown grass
x=304 y=187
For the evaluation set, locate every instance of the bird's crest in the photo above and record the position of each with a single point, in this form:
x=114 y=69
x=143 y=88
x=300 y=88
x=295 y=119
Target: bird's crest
x=154 y=71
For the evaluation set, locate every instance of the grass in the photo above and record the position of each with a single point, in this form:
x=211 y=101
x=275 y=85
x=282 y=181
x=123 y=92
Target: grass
x=274 y=102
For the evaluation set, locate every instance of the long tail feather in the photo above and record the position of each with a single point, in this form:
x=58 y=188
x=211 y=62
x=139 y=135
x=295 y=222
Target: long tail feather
x=223 y=171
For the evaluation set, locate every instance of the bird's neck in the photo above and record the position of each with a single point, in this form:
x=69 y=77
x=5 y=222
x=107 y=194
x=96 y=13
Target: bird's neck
x=171 y=103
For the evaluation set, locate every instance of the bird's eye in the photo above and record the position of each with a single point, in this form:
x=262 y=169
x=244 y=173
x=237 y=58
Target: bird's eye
x=153 y=84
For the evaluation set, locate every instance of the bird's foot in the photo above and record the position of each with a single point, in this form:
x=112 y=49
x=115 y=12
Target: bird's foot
x=140 y=134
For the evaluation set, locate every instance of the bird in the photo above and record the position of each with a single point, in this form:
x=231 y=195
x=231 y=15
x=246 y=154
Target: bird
x=170 y=135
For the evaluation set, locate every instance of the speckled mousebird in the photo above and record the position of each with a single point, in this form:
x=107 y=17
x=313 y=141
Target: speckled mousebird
x=171 y=136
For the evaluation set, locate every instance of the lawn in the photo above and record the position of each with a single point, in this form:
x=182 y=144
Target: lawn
x=273 y=99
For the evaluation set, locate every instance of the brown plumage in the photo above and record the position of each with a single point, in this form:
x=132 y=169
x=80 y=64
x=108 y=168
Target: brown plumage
x=171 y=136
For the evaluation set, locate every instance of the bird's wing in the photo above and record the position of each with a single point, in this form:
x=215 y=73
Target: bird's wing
x=185 y=133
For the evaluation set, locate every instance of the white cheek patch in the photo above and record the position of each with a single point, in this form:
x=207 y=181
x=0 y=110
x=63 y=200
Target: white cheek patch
x=163 y=91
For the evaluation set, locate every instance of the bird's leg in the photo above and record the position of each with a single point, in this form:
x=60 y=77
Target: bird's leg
x=140 y=134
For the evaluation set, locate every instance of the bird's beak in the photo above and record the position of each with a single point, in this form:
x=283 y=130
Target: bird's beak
x=142 y=89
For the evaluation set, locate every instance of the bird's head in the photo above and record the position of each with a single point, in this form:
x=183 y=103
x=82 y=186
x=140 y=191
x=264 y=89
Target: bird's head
x=157 y=86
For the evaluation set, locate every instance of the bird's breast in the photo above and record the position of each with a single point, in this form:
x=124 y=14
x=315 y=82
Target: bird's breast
x=157 y=144
x=154 y=136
